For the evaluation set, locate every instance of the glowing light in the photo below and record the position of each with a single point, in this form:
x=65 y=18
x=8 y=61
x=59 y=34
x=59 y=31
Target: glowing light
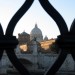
x=23 y=48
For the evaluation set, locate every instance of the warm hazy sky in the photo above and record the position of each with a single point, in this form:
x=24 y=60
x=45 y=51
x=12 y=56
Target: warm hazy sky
x=36 y=14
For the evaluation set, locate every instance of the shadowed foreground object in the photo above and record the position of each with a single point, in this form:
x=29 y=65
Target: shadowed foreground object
x=9 y=42
x=64 y=32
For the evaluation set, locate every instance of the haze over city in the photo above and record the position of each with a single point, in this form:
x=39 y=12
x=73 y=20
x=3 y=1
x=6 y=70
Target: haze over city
x=36 y=14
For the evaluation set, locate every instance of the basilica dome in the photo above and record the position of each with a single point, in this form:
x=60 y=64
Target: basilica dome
x=36 y=33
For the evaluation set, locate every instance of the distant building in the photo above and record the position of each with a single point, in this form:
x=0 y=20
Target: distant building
x=36 y=33
x=26 y=40
x=46 y=38
x=23 y=38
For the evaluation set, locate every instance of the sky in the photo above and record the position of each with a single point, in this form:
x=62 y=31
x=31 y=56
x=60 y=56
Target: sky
x=36 y=14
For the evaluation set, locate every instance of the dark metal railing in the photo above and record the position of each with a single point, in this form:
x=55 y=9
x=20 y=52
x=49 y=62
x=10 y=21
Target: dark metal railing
x=65 y=41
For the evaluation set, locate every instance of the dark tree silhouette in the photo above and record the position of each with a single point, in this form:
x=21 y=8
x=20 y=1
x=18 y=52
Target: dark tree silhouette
x=54 y=48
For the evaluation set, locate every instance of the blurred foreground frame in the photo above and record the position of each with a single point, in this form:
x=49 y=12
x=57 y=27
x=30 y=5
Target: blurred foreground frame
x=65 y=41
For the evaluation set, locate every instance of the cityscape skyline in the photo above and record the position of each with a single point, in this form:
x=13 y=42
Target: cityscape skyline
x=34 y=15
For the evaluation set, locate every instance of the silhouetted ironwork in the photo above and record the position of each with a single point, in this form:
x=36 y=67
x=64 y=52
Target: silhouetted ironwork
x=8 y=42
x=65 y=41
